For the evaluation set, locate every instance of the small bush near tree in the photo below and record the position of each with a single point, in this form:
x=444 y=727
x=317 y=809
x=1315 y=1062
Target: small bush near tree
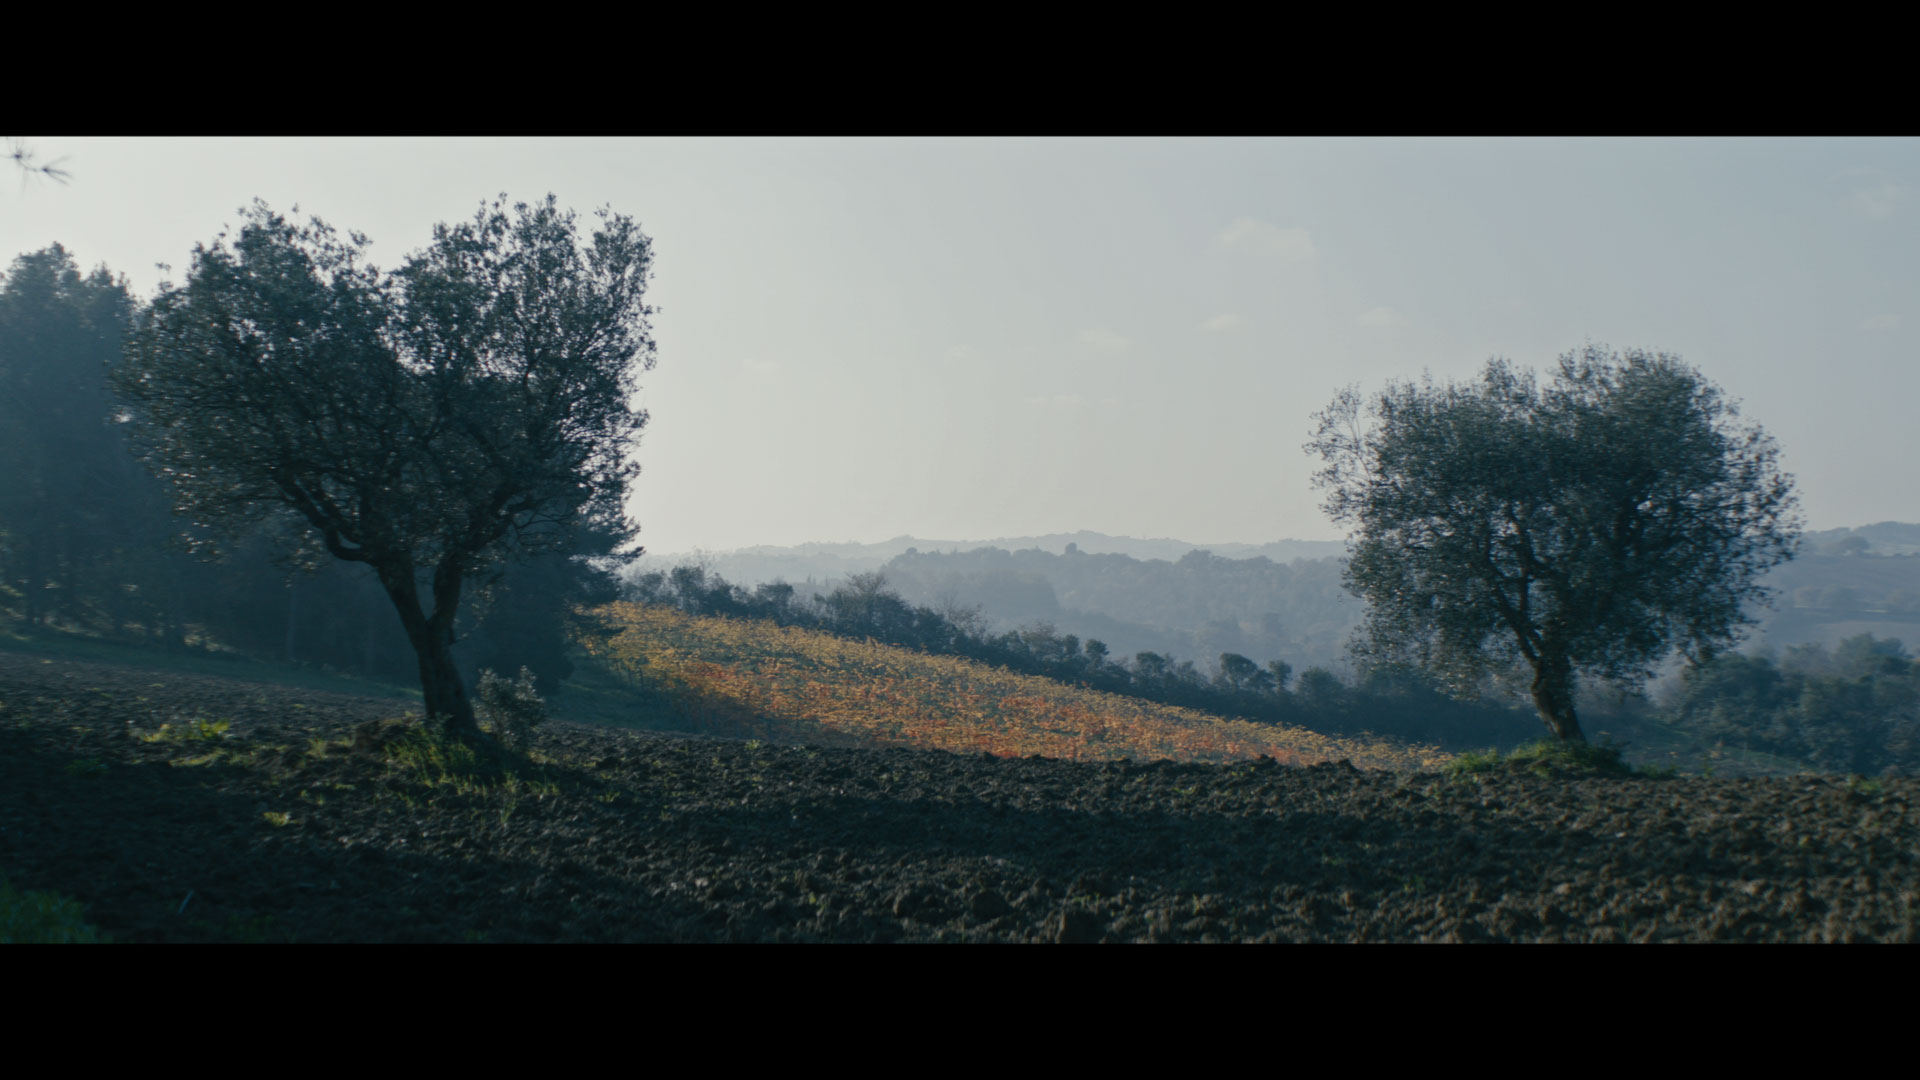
x=510 y=707
x=41 y=918
x=1551 y=758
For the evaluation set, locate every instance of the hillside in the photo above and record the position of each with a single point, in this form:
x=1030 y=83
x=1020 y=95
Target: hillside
x=749 y=678
x=1282 y=601
x=260 y=812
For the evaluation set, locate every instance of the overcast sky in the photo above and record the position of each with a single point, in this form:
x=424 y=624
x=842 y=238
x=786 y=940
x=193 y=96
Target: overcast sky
x=970 y=338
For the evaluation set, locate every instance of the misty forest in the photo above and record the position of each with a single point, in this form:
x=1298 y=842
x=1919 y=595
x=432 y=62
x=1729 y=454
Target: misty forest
x=324 y=617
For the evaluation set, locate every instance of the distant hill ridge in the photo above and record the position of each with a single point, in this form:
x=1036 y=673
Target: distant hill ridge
x=1884 y=538
x=1847 y=581
x=1881 y=538
x=764 y=562
x=827 y=559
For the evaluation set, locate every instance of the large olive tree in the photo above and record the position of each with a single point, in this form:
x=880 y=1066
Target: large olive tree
x=424 y=421
x=1589 y=526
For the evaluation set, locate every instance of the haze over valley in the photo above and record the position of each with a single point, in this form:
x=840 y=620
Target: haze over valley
x=1281 y=600
x=1333 y=539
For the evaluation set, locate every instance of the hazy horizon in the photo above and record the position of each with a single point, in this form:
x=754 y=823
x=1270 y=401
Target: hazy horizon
x=652 y=552
x=868 y=339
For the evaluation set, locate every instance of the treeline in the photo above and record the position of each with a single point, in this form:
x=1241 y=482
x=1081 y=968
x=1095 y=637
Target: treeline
x=1854 y=709
x=1397 y=703
x=1199 y=604
x=88 y=542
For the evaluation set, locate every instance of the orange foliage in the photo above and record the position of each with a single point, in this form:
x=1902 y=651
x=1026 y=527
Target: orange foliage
x=748 y=678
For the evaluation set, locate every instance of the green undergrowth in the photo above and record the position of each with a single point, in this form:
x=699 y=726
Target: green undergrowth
x=428 y=756
x=431 y=763
x=1555 y=759
x=418 y=760
x=203 y=740
x=200 y=729
x=43 y=918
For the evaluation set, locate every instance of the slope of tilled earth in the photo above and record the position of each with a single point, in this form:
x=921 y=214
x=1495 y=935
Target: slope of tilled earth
x=626 y=836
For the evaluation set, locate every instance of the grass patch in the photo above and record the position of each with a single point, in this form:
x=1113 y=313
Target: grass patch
x=198 y=730
x=206 y=742
x=427 y=756
x=251 y=930
x=1555 y=759
x=424 y=754
x=41 y=918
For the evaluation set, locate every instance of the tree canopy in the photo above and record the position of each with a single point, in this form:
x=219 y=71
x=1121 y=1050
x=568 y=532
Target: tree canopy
x=1585 y=527
x=474 y=403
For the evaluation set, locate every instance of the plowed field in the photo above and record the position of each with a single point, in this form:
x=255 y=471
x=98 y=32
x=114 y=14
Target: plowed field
x=266 y=813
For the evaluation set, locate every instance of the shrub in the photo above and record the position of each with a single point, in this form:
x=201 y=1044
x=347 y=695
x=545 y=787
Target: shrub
x=1555 y=758
x=511 y=708
x=42 y=918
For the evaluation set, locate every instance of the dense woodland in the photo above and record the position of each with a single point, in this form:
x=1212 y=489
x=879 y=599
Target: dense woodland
x=1852 y=709
x=90 y=543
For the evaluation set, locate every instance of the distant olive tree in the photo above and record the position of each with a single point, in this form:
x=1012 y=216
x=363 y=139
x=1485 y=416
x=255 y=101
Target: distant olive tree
x=1239 y=673
x=1585 y=527
x=1096 y=652
x=475 y=402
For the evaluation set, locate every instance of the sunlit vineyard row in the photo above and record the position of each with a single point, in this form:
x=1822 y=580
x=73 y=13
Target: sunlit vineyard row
x=757 y=679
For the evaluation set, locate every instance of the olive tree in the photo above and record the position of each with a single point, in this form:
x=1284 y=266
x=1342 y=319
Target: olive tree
x=475 y=402
x=1586 y=527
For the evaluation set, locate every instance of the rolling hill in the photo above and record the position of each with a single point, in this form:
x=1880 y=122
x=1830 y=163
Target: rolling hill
x=748 y=678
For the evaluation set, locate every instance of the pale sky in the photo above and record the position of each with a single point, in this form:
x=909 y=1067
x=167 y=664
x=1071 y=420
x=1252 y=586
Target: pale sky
x=973 y=338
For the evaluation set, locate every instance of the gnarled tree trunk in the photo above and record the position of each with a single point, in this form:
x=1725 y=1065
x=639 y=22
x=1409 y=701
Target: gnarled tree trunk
x=1553 y=696
x=440 y=684
x=432 y=639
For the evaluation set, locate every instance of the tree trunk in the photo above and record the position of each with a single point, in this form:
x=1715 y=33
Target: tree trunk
x=432 y=640
x=1553 y=697
x=440 y=684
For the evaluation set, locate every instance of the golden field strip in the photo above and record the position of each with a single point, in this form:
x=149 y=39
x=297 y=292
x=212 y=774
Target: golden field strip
x=755 y=679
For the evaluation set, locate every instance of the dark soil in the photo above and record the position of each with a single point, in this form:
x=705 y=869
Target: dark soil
x=611 y=835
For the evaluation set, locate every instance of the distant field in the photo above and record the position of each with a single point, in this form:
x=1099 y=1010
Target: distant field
x=758 y=680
